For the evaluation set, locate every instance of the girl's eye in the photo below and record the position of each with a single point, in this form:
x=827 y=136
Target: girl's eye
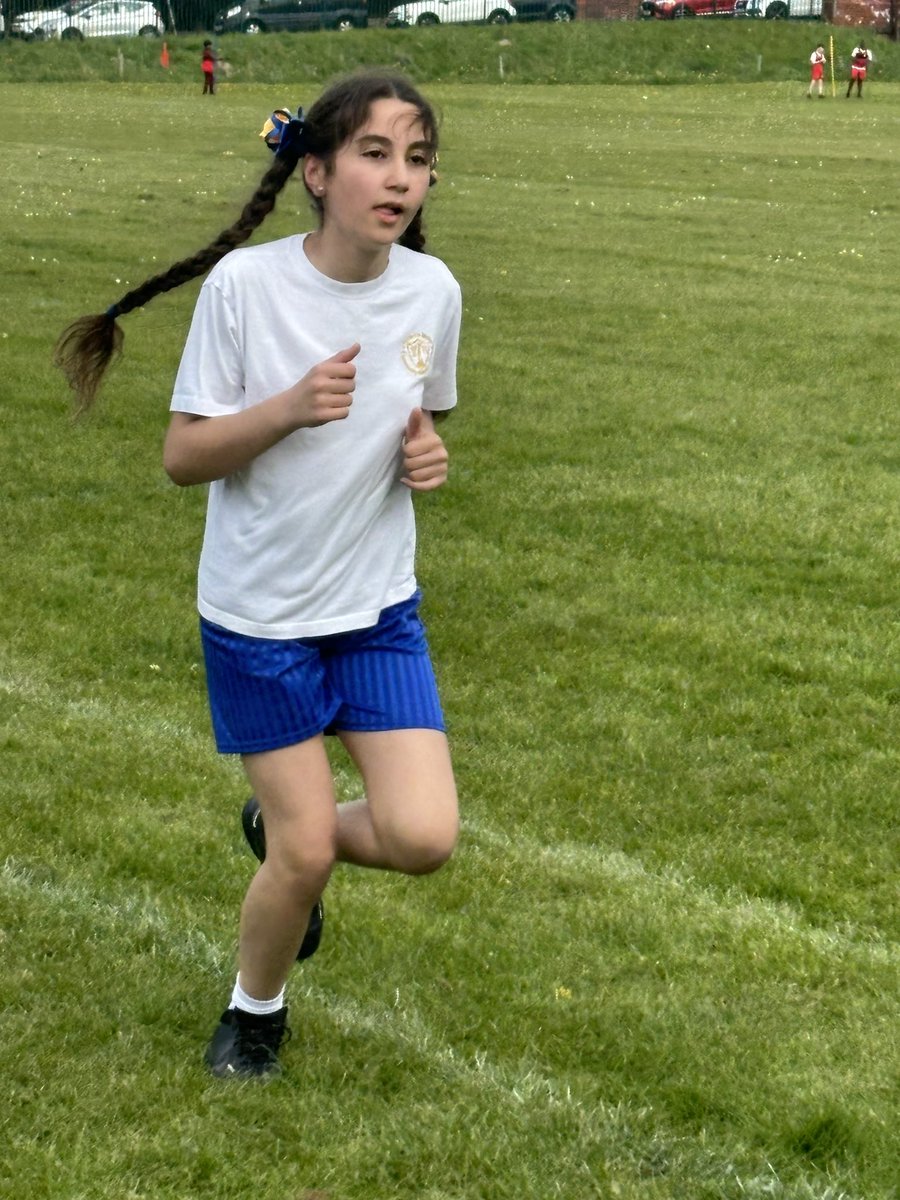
x=418 y=158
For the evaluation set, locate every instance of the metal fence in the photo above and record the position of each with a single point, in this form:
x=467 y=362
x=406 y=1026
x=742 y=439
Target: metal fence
x=43 y=21
x=76 y=19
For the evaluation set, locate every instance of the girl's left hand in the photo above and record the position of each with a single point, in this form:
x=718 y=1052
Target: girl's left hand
x=425 y=456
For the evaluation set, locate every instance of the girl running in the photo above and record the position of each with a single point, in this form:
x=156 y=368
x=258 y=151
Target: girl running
x=306 y=398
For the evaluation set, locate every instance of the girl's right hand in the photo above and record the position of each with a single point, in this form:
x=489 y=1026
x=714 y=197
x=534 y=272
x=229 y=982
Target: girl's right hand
x=199 y=449
x=326 y=392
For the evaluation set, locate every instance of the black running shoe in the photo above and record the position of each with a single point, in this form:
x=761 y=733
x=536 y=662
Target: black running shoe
x=255 y=833
x=246 y=1045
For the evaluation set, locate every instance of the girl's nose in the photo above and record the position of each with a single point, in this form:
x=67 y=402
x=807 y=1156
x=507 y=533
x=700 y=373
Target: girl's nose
x=399 y=174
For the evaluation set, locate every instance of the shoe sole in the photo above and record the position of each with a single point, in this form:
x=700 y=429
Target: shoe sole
x=255 y=833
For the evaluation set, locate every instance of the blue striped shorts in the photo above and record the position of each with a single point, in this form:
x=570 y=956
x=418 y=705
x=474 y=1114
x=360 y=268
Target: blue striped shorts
x=265 y=693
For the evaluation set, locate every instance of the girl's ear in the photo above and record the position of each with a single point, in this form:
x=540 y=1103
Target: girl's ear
x=314 y=174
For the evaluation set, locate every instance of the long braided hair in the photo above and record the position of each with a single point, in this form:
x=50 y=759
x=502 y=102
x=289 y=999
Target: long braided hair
x=86 y=347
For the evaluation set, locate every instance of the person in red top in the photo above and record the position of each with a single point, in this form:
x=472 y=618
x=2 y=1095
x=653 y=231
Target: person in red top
x=859 y=61
x=817 y=61
x=208 y=66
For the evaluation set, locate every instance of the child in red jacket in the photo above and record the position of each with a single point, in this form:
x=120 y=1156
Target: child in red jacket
x=208 y=66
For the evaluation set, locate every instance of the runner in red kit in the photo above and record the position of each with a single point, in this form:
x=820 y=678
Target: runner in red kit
x=208 y=66
x=859 y=62
x=817 y=61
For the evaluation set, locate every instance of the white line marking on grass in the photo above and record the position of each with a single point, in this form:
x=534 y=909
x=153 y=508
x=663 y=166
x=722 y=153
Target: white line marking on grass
x=132 y=916
x=397 y=1026
x=117 y=716
x=733 y=907
x=404 y=1027
x=618 y=1125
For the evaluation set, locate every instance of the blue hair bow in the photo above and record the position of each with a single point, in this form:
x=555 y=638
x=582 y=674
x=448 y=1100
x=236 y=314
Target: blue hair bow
x=285 y=133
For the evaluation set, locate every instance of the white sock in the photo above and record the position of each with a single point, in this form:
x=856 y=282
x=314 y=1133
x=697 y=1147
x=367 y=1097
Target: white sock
x=260 y=1008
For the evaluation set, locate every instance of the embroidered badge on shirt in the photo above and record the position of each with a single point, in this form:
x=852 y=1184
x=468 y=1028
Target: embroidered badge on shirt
x=417 y=353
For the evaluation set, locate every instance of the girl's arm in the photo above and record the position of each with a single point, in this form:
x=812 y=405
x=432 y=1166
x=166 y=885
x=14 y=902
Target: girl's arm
x=199 y=449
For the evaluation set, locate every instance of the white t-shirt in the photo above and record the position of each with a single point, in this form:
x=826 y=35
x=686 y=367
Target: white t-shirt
x=317 y=535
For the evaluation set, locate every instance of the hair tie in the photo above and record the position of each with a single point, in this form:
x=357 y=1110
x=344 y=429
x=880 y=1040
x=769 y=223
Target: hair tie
x=113 y=311
x=285 y=133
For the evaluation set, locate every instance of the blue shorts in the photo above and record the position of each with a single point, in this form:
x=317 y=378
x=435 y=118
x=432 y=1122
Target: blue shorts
x=265 y=694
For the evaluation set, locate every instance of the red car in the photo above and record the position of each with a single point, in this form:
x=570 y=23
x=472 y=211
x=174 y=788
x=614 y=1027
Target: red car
x=670 y=9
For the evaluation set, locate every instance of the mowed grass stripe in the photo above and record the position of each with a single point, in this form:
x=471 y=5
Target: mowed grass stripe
x=29 y=682
x=134 y=919
x=668 y=888
x=631 y=1134
x=572 y=861
x=631 y=1131
x=129 y=918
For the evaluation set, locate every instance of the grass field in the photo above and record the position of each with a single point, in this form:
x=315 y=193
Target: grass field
x=633 y=52
x=661 y=588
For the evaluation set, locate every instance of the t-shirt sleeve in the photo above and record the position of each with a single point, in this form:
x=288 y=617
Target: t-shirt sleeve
x=440 y=383
x=210 y=379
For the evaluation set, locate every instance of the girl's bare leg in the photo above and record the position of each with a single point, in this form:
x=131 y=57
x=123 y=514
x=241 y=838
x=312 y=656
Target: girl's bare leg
x=296 y=796
x=409 y=820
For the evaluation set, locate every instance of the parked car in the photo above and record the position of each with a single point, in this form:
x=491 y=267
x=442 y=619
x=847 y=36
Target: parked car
x=259 y=16
x=545 y=10
x=451 y=12
x=33 y=26
x=674 y=9
x=780 y=10
x=104 y=18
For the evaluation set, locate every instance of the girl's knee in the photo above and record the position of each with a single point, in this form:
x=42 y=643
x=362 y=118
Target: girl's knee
x=428 y=860
x=303 y=862
x=423 y=851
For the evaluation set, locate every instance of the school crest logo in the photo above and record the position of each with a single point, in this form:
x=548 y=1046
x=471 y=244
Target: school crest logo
x=417 y=352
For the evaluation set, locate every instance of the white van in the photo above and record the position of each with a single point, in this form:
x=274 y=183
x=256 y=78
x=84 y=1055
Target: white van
x=105 y=18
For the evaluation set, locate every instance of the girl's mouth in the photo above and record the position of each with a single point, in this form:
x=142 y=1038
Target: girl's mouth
x=389 y=212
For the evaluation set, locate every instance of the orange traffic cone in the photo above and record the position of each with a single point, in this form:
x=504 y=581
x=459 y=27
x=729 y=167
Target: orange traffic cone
x=164 y=57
